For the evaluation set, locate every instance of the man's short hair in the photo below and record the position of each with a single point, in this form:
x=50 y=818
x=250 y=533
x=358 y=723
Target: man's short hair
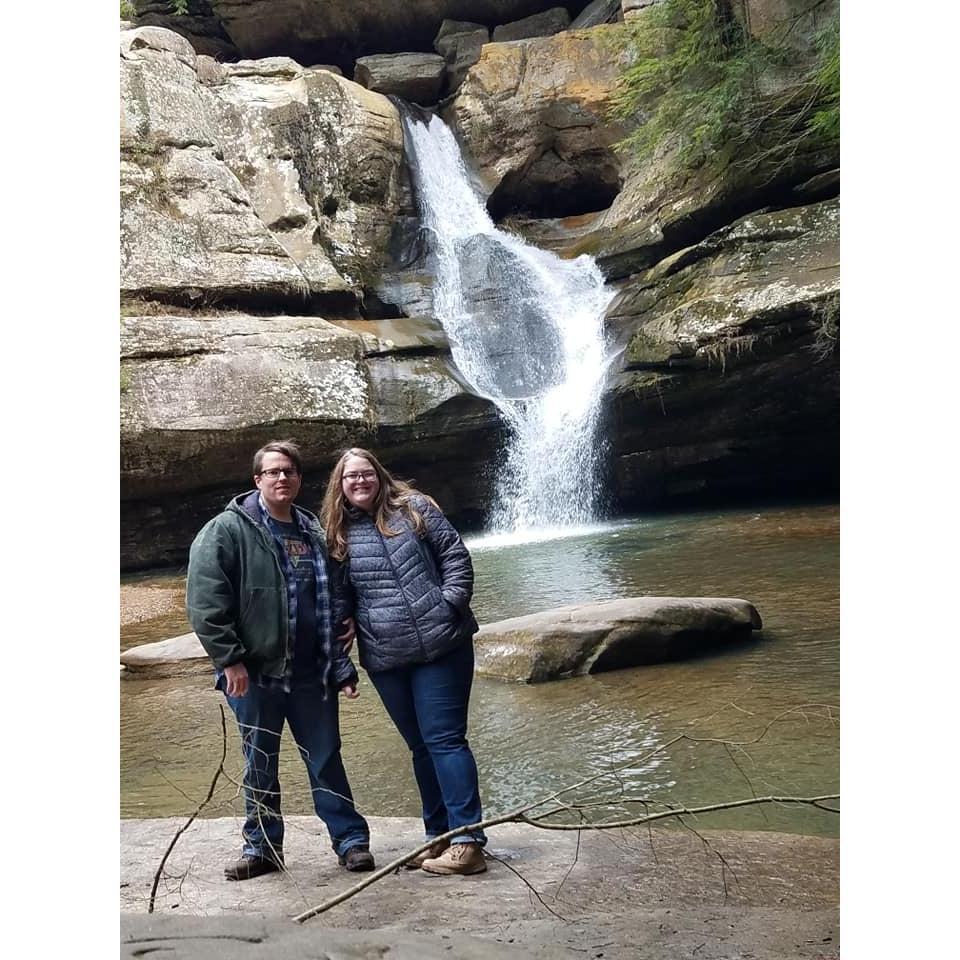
x=287 y=447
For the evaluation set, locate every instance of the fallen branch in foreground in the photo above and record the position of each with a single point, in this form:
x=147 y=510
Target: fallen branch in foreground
x=520 y=816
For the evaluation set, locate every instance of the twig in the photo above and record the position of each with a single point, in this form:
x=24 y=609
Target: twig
x=194 y=815
x=529 y=886
x=724 y=866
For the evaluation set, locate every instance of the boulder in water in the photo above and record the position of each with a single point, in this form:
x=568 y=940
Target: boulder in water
x=594 y=637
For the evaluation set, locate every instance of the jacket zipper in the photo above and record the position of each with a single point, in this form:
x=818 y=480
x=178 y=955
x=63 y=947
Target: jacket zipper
x=403 y=593
x=272 y=547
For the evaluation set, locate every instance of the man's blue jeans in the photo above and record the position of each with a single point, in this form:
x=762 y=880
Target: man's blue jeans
x=314 y=723
x=428 y=703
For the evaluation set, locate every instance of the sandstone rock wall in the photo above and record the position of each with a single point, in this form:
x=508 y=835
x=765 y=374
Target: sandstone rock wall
x=253 y=182
x=201 y=394
x=532 y=117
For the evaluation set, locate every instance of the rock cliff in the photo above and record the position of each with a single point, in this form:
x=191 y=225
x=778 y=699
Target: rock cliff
x=272 y=281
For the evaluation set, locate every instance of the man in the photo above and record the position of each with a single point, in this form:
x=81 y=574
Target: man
x=258 y=599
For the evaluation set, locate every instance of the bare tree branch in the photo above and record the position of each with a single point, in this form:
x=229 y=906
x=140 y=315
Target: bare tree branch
x=182 y=830
x=672 y=812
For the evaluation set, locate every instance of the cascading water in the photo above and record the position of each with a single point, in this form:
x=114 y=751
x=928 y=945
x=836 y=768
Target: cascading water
x=525 y=329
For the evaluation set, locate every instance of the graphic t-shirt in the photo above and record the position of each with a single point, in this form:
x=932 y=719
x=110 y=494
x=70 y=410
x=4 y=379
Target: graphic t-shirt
x=300 y=554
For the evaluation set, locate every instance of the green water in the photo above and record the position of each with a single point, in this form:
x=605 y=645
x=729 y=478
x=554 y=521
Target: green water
x=532 y=740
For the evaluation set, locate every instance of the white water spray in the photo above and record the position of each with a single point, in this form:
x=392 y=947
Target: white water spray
x=525 y=329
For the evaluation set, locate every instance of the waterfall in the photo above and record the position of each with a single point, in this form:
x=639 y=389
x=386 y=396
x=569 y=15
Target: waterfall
x=525 y=329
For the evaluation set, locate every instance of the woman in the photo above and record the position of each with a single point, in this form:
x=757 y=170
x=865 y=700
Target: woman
x=407 y=580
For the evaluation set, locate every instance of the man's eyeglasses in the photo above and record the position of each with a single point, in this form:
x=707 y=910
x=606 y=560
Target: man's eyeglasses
x=354 y=476
x=273 y=472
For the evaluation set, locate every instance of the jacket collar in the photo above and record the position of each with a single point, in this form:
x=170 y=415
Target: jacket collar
x=247 y=505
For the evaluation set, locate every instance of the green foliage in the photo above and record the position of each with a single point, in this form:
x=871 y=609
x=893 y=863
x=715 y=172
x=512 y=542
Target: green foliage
x=826 y=121
x=698 y=81
x=691 y=75
x=179 y=8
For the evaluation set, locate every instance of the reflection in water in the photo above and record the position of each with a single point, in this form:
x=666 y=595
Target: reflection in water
x=532 y=740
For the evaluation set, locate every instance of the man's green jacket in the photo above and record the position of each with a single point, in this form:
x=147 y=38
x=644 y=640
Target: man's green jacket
x=237 y=595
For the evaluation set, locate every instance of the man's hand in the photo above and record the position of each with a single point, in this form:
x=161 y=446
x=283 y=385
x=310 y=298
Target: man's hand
x=238 y=680
x=350 y=691
x=349 y=632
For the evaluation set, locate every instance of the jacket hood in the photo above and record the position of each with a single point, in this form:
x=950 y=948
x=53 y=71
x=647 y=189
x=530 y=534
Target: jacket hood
x=247 y=505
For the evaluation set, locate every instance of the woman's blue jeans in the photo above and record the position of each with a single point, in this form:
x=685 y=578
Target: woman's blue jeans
x=314 y=723
x=428 y=704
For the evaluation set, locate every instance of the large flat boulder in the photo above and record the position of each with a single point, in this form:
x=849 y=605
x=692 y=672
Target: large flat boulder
x=594 y=637
x=653 y=893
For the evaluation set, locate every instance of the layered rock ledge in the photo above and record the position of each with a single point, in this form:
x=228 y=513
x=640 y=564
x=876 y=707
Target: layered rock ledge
x=594 y=637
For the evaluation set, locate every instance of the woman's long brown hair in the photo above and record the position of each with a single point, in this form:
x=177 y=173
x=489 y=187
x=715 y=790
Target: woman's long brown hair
x=392 y=497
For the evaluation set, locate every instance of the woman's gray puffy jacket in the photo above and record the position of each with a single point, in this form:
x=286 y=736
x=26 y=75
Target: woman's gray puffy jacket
x=410 y=596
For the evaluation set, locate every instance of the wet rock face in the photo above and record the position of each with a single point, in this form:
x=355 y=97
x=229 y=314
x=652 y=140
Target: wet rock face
x=508 y=312
x=729 y=378
x=340 y=31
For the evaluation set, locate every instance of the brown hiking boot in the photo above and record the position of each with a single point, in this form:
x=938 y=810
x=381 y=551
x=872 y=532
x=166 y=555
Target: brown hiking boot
x=461 y=858
x=248 y=867
x=434 y=850
x=357 y=859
